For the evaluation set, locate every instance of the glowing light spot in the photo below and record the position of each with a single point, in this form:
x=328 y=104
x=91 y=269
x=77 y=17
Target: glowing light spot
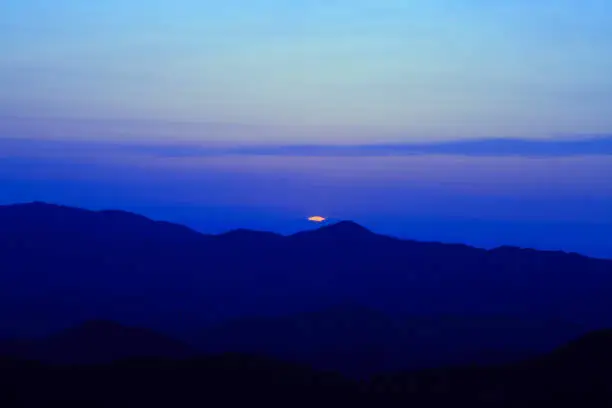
x=316 y=218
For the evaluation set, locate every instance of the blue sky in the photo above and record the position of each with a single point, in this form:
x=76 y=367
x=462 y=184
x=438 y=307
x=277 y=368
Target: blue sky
x=213 y=113
x=395 y=69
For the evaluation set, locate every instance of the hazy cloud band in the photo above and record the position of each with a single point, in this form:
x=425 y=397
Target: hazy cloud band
x=483 y=147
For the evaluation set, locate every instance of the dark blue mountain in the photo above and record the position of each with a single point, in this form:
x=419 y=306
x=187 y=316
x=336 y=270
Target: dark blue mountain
x=360 y=341
x=96 y=342
x=61 y=266
x=575 y=375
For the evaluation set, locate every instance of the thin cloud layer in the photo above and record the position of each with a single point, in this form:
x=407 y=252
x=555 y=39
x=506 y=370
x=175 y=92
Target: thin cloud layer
x=481 y=148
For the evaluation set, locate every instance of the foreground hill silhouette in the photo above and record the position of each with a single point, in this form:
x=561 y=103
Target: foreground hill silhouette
x=61 y=266
x=576 y=375
x=216 y=381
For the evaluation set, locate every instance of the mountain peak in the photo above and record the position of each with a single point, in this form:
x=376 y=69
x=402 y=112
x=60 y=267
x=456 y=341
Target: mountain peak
x=342 y=230
x=346 y=228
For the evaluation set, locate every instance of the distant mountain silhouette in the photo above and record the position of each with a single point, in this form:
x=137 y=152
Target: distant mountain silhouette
x=342 y=230
x=62 y=266
x=245 y=234
x=98 y=342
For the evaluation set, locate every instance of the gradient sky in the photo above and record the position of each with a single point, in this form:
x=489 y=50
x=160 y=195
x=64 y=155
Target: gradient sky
x=162 y=107
x=395 y=69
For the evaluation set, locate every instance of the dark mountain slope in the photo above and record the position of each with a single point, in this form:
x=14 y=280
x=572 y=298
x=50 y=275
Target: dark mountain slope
x=350 y=339
x=37 y=220
x=96 y=342
x=219 y=381
x=60 y=266
x=576 y=375
x=556 y=379
x=360 y=341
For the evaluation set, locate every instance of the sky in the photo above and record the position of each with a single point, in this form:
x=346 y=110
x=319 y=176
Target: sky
x=425 y=68
x=475 y=121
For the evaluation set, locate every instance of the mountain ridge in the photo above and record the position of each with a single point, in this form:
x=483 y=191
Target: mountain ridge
x=339 y=229
x=60 y=270
x=105 y=341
